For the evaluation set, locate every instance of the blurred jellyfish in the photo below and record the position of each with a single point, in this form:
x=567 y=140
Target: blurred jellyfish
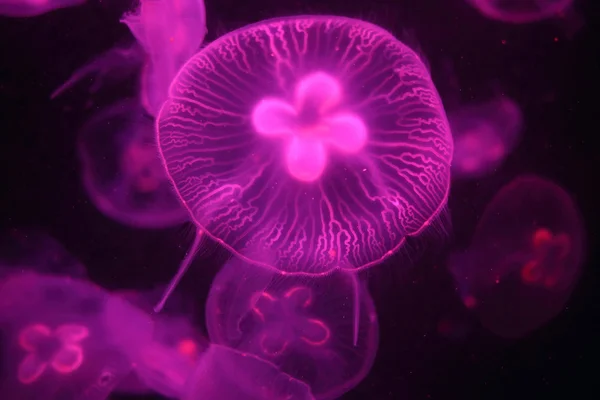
x=167 y=355
x=321 y=330
x=122 y=172
x=31 y=248
x=55 y=345
x=226 y=374
x=320 y=141
x=483 y=136
x=31 y=8
x=520 y=11
x=170 y=32
x=524 y=259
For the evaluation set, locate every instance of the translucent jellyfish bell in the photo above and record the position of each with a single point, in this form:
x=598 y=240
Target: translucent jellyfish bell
x=170 y=32
x=321 y=330
x=320 y=141
x=122 y=172
x=31 y=8
x=520 y=11
x=525 y=257
x=226 y=374
x=55 y=345
x=483 y=136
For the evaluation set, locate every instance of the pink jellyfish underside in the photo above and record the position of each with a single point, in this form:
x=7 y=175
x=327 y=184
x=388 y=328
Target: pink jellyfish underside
x=520 y=11
x=322 y=331
x=55 y=345
x=319 y=141
x=31 y=8
x=525 y=257
x=121 y=169
x=483 y=136
x=227 y=374
x=170 y=32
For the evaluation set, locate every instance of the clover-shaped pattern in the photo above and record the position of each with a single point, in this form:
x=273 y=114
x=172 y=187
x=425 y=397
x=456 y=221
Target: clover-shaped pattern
x=311 y=126
x=549 y=256
x=286 y=320
x=59 y=349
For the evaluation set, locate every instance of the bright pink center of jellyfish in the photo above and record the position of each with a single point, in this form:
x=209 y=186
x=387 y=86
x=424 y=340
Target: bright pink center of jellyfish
x=319 y=141
x=322 y=331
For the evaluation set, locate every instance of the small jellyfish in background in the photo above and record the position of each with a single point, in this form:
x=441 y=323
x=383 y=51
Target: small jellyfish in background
x=170 y=32
x=525 y=257
x=319 y=140
x=122 y=172
x=484 y=135
x=32 y=8
x=55 y=345
x=226 y=374
x=520 y=11
x=321 y=330
x=165 y=356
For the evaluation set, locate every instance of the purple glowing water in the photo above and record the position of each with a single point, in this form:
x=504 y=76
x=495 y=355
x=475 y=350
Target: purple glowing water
x=525 y=257
x=56 y=345
x=483 y=136
x=31 y=8
x=227 y=374
x=122 y=172
x=322 y=331
x=520 y=11
x=319 y=141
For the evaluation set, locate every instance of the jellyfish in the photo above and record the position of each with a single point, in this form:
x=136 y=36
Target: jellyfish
x=165 y=356
x=320 y=141
x=520 y=11
x=170 y=32
x=227 y=374
x=55 y=345
x=321 y=330
x=525 y=257
x=32 y=8
x=483 y=136
x=121 y=170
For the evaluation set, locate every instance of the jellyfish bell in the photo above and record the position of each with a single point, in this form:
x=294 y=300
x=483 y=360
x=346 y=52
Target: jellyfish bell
x=121 y=171
x=289 y=136
x=229 y=374
x=521 y=11
x=32 y=8
x=525 y=257
x=55 y=345
x=484 y=135
x=322 y=330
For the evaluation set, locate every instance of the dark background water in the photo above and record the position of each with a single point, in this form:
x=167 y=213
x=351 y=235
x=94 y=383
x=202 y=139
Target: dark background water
x=549 y=68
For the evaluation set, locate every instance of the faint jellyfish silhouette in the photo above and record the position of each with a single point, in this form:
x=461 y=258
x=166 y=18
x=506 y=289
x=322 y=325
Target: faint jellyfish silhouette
x=122 y=172
x=289 y=137
x=525 y=257
x=32 y=8
x=483 y=136
x=55 y=345
x=520 y=11
x=170 y=32
x=227 y=374
x=321 y=330
x=32 y=248
x=163 y=356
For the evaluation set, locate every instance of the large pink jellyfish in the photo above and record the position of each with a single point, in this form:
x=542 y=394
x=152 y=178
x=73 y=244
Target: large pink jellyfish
x=322 y=331
x=524 y=259
x=520 y=11
x=226 y=374
x=483 y=136
x=122 y=172
x=56 y=345
x=319 y=141
x=31 y=8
